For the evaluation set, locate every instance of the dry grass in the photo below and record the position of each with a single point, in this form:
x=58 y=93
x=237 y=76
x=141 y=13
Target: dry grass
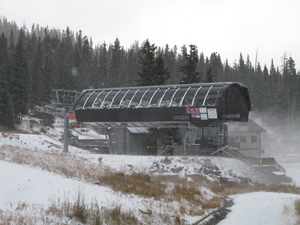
x=135 y=183
x=92 y=214
x=63 y=164
x=232 y=188
x=74 y=167
x=188 y=191
x=17 y=131
x=292 y=213
x=66 y=212
x=297 y=207
x=187 y=194
x=213 y=203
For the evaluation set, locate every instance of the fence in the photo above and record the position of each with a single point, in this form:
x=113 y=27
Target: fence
x=264 y=162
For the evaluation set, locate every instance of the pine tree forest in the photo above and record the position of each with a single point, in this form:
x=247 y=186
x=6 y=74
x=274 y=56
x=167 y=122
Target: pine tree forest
x=35 y=61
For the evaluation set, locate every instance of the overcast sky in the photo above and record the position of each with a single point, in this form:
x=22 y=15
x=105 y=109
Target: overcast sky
x=229 y=27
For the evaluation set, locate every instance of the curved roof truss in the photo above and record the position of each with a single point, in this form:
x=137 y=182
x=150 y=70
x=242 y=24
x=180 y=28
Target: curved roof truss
x=164 y=103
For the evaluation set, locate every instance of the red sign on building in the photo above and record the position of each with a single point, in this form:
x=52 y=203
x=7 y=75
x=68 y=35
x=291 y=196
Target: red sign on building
x=188 y=110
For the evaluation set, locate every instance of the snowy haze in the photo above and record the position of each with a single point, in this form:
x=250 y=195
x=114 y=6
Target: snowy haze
x=231 y=27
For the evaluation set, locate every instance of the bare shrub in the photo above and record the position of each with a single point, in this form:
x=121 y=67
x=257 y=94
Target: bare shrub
x=116 y=216
x=166 y=160
x=79 y=209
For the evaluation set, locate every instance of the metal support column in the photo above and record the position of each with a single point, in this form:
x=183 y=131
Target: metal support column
x=109 y=141
x=66 y=131
x=122 y=139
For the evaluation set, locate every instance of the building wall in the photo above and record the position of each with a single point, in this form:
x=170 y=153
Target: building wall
x=248 y=143
x=248 y=140
x=250 y=153
x=136 y=143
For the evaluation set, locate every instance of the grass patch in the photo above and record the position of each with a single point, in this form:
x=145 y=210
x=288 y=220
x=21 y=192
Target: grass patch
x=188 y=191
x=213 y=203
x=232 y=188
x=66 y=212
x=297 y=207
x=136 y=183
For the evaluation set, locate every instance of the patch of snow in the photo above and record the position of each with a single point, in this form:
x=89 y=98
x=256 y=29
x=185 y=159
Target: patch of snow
x=260 y=208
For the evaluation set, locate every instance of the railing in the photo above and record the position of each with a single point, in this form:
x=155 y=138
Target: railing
x=279 y=167
x=264 y=162
x=261 y=162
x=229 y=152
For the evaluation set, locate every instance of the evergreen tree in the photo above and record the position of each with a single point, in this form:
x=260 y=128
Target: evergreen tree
x=290 y=86
x=67 y=72
x=51 y=51
x=37 y=73
x=77 y=68
x=95 y=68
x=19 y=88
x=103 y=78
x=202 y=66
x=8 y=112
x=257 y=89
x=265 y=89
x=216 y=68
x=47 y=82
x=209 y=74
x=11 y=61
x=115 y=69
x=86 y=64
x=189 y=69
x=11 y=42
x=227 y=72
x=273 y=85
x=3 y=70
x=153 y=69
x=249 y=66
x=147 y=64
x=132 y=65
x=242 y=70
x=160 y=72
x=31 y=49
x=169 y=58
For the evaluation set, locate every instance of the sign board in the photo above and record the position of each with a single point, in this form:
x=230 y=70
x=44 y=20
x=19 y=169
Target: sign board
x=202 y=113
x=212 y=113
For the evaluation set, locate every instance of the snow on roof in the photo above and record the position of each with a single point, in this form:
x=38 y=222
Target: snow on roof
x=138 y=130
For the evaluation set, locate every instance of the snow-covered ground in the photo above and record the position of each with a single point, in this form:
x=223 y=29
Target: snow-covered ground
x=33 y=186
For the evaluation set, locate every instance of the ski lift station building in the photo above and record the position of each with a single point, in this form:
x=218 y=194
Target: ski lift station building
x=202 y=108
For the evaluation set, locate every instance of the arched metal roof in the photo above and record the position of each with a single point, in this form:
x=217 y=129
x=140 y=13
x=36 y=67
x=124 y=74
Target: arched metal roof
x=165 y=103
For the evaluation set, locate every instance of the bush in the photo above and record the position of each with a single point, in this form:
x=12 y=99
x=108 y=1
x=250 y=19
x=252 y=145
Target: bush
x=47 y=119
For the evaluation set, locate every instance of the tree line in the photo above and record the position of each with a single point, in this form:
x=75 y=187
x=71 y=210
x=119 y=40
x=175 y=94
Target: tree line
x=33 y=62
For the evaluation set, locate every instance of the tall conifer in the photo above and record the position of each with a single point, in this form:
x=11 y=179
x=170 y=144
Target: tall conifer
x=115 y=68
x=19 y=88
x=190 y=68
